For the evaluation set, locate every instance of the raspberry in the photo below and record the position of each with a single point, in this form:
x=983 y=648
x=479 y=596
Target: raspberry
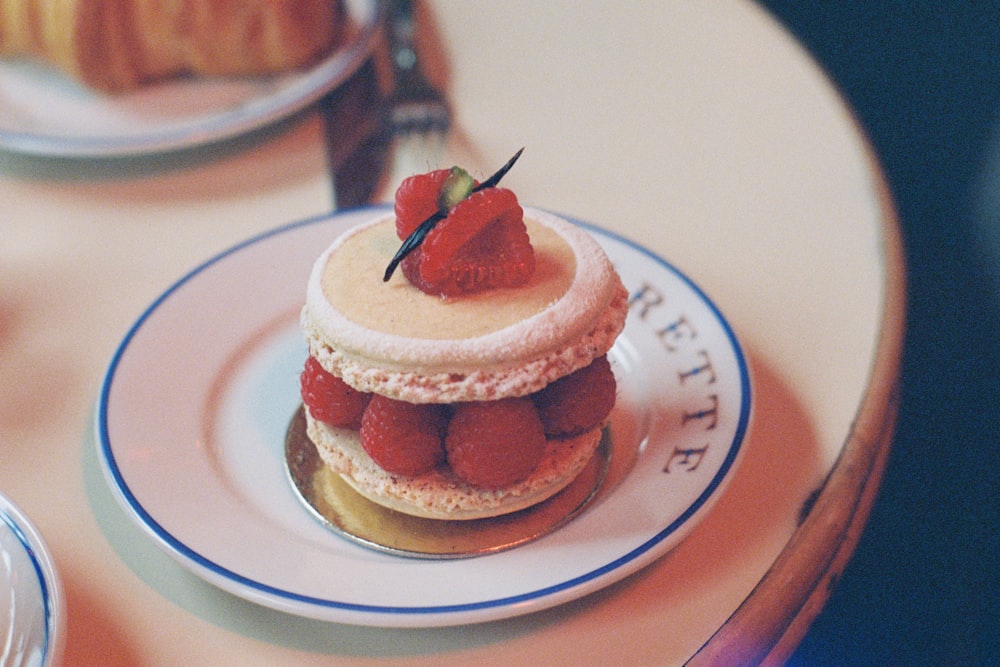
x=482 y=244
x=403 y=438
x=579 y=401
x=495 y=443
x=417 y=199
x=329 y=398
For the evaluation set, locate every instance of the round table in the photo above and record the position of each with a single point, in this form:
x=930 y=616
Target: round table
x=700 y=130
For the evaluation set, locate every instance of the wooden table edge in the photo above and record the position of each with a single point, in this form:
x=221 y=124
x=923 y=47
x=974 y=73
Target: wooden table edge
x=769 y=624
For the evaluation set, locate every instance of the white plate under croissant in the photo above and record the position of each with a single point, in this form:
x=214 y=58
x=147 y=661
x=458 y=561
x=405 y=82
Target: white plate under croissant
x=46 y=111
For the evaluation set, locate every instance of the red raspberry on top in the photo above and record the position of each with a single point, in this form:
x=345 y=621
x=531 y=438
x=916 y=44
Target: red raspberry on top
x=579 y=401
x=482 y=244
x=403 y=438
x=495 y=443
x=417 y=199
x=329 y=398
x=477 y=239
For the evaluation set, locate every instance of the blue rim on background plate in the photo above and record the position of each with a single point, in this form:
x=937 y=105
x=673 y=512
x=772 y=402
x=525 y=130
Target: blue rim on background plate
x=34 y=632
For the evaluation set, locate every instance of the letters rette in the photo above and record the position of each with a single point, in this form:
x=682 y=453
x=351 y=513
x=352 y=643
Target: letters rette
x=695 y=374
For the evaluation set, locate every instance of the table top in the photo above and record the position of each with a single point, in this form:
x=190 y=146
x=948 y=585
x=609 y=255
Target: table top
x=923 y=83
x=701 y=131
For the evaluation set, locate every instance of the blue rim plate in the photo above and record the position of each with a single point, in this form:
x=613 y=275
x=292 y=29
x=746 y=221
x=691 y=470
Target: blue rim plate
x=32 y=611
x=193 y=410
x=43 y=113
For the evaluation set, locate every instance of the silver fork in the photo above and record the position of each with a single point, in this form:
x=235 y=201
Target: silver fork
x=418 y=113
x=417 y=107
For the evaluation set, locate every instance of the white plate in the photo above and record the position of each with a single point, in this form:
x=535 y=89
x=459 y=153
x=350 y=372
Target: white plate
x=42 y=112
x=193 y=411
x=31 y=604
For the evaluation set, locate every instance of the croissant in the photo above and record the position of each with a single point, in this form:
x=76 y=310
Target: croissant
x=115 y=45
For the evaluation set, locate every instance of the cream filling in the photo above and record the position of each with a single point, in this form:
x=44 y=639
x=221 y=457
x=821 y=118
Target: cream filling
x=395 y=327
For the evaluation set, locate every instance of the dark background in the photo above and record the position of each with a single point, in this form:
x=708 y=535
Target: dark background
x=923 y=78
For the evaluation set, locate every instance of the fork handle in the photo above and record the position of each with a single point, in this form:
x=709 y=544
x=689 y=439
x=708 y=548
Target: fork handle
x=402 y=44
